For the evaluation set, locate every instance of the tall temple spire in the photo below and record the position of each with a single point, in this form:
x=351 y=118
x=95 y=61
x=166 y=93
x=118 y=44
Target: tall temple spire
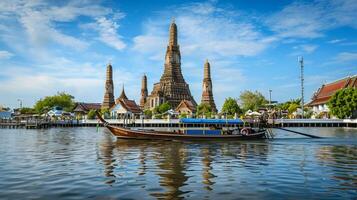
x=172 y=87
x=207 y=94
x=144 y=91
x=173 y=34
x=108 y=100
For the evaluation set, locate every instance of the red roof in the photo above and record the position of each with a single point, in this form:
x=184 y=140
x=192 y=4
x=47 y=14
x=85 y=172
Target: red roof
x=323 y=94
x=188 y=104
x=85 y=107
x=129 y=105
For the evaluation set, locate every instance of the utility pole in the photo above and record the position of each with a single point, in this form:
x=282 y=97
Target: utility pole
x=301 y=60
x=270 y=96
x=19 y=100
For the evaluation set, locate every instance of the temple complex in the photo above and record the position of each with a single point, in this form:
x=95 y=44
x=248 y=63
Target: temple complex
x=144 y=91
x=207 y=94
x=108 y=100
x=172 y=87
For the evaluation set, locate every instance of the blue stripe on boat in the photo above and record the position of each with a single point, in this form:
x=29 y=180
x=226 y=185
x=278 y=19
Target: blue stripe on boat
x=210 y=121
x=203 y=132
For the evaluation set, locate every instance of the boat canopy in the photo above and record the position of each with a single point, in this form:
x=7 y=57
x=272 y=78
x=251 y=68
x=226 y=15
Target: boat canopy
x=210 y=121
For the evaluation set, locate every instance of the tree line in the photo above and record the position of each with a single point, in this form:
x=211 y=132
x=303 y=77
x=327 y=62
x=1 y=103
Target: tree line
x=342 y=105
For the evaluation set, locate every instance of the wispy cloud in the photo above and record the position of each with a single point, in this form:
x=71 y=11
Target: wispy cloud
x=204 y=31
x=310 y=20
x=346 y=57
x=5 y=55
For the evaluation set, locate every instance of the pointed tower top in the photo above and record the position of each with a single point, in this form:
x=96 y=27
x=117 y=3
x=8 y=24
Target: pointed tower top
x=207 y=70
x=123 y=95
x=173 y=34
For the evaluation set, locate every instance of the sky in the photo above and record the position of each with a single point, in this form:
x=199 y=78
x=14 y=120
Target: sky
x=64 y=46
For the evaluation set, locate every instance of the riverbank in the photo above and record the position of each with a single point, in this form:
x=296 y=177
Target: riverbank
x=157 y=123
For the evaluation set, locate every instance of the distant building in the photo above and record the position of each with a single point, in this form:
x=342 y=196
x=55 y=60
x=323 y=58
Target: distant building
x=81 y=109
x=207 y=94
x=108 y=100
x=325 y=92
x=144 y=91
x=125 y=108
x=172 y=87
x=186 y=107
x=5 y=115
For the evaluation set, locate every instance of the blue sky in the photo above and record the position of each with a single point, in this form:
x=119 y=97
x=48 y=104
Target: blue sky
x=51 y=46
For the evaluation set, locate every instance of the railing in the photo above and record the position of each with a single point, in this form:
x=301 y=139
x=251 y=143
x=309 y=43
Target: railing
x=315 y=121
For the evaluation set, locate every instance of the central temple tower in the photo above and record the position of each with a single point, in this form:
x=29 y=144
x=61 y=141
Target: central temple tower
x=172 y=87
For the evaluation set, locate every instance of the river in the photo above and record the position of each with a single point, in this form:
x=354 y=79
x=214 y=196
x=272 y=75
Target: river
x=78 y=163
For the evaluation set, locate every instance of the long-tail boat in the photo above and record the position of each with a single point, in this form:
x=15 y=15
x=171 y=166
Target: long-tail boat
x=212 y=130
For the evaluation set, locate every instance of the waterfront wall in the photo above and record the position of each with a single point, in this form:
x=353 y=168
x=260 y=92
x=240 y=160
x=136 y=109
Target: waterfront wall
x=156 y=123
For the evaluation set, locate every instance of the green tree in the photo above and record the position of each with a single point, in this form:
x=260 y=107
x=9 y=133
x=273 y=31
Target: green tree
x=26 y=110
x=231 y=107
x=148 y=113
x=91 y=114
x=164 y=107
x=252 y=100
x=343 y=103
x=105 y=112
x=204 y=109
x=66 y=101
x=293 y=107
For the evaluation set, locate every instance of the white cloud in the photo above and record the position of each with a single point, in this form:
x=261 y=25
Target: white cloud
x=108 y=33
x=346 y=57
x=5 y=55
x=304 y=49
x=335 y=41
x=204 y=31
x=310 y=20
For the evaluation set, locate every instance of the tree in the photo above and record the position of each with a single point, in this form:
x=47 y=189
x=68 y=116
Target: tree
x=164 y=107
x=343 y=103
x=105 y=112
x=231 y=107
x=148 y=113
x=60 y=99
x=91 y=114
x=252 y=100
x=204 y=109
x=26 y=110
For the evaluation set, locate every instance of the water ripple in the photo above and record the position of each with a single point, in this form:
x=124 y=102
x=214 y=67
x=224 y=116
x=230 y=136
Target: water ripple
x=81 y=163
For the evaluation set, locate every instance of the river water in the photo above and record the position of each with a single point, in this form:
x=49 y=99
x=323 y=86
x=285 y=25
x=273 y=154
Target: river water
x=78 y=163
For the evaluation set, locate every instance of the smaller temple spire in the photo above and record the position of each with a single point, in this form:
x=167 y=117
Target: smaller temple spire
x=207 y=93
x=123 y=95
x=207 y=70
x=144 y=91
x=108 y=100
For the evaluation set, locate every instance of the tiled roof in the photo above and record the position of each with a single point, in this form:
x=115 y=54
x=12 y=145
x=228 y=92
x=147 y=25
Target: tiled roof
x=130 y=105
x=87 y=107
x=324 y=93
x=188 y=104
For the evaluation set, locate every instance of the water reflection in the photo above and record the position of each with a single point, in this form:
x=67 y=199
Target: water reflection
x=171 y=161
x=82 y=163
x=207 y=174
x=341 y=160
x=105 y=155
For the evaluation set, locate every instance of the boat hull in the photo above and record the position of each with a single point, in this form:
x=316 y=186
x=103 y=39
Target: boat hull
x=127 y=133
x=154 y=135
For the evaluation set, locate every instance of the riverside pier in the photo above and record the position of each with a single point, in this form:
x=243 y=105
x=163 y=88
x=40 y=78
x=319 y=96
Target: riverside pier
x=165 y=123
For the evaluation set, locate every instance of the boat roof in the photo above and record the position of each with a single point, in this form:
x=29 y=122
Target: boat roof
x=210 y=121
